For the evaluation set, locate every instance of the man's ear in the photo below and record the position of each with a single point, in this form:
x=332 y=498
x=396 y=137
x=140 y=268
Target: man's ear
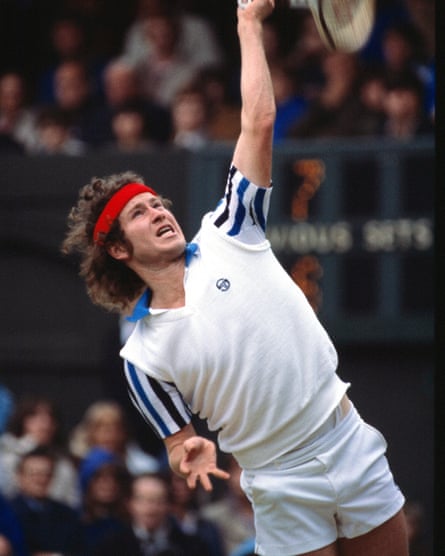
x=118 y=251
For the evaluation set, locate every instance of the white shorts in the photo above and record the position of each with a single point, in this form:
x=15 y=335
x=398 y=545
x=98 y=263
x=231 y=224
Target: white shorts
x=338 y=485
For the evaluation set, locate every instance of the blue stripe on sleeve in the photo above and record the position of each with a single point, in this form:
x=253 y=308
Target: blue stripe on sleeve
x=240 y=211
x=140 y=391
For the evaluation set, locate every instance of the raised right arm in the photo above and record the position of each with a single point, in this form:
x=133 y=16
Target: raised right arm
x=253 y=151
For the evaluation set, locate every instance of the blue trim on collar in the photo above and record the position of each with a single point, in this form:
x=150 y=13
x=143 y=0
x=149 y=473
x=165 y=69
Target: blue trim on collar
x=142 y=307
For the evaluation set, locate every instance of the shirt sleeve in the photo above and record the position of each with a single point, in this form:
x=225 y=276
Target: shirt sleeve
x=160 y=403
x=242 y=212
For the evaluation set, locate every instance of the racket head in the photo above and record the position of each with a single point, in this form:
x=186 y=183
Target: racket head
x=343 y=25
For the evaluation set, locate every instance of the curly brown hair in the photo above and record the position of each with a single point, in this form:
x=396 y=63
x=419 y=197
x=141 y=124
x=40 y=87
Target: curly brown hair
x=110 y=283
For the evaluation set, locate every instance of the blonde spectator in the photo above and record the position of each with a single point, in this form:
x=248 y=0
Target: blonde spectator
x=104 y=425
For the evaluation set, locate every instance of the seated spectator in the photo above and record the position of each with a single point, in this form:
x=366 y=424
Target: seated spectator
x=224 y=123
x=12 y=539
x=68 y=40
x=130 y=131
x=191 y=117
x=104 y=425
x=290 y=104
x=372 y=91
x=122 y=87
x=336 y=110
x=232 y=513
x=35 y=422
x=306 y=57
x=105 y=484
x=405 y=117
x=165 y=70
x=74 y=95
x=48 y=525
x=152 y=531
x=185 y=508
x=55 y=136
x=403 y=49
x=196 y=38
x=17 y=119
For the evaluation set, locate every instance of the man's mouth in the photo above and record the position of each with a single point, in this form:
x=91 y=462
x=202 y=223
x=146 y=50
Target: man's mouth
x=167 y=229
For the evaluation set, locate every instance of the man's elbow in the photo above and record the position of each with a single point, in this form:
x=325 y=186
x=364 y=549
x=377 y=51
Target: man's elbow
x=262 y=125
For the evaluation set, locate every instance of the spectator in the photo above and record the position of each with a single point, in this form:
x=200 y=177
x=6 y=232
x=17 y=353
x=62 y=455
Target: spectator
x=403 y=105
x=165 y=69
x=372 y=93
x=185 y=508
x=335 y=112
x=69 y=41
x=104 y=425
x=35 y=422
x=191 y=117
x=130 y=131
x=232 y=513
x=48 y=525
x=12 y=539
x=122 y=87
x=153 y=532
x=17 y=119
x=290 y=104
x=403 y=49
x=105 y=486
x=74 y=96
x=306 y=57
x=224 y=123
x=55 y=136
x=196 y=39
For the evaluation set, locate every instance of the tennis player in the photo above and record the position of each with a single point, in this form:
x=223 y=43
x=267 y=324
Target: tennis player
x=222 y=331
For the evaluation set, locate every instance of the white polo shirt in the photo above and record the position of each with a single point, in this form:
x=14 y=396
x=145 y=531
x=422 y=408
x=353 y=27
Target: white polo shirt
x=246 y=352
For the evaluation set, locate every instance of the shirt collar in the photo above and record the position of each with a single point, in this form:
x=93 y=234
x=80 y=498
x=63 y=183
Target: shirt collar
x=142 y=307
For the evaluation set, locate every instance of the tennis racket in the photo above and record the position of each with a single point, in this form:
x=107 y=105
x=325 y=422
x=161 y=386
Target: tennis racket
x=342 y=24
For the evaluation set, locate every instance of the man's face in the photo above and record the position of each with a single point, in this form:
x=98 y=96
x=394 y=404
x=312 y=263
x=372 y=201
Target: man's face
x=35 y=476
x=149 y=503
x=153 y=232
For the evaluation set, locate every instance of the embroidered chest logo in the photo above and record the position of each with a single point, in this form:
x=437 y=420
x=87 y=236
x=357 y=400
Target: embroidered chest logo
x=223 y=284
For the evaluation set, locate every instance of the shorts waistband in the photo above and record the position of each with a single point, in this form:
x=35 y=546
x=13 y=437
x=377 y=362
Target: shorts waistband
x=338 y=426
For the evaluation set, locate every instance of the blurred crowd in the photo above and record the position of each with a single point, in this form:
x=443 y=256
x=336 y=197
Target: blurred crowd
x=93 y=491
x=78 y=76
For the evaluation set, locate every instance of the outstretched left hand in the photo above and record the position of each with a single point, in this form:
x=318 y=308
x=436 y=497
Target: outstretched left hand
x=199 y=461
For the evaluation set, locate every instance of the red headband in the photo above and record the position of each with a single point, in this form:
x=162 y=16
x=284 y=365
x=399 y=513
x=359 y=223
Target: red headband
x=114 y=207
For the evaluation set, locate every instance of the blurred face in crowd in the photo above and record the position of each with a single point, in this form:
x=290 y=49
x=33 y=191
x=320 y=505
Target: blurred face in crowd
x=11 y=93
x=104 y=487
x=108 y=431
x=71 y=85
x=402 y=103
x=40 y=425
x=189 y=112
x=121 y=84
x=149 y=503
x=34 y=476
x=128 y=128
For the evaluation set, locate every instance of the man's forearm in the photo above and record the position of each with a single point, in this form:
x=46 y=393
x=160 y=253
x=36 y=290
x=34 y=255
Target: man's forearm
x=258 y=103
